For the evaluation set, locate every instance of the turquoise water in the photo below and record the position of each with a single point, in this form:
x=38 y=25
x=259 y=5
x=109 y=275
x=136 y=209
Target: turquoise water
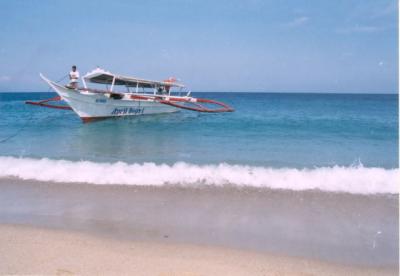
x=273 y=130
x=331 y=142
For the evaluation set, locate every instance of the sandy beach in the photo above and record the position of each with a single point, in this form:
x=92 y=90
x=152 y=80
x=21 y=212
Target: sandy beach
x=27 y=250
x=60 y=228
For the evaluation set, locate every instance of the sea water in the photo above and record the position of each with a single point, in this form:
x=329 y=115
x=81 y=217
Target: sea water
x=306 y=175
x=331 y=142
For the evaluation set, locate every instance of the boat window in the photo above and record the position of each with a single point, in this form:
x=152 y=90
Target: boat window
x=116 y=96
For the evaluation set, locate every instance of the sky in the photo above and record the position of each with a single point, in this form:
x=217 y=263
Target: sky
x=342 y=46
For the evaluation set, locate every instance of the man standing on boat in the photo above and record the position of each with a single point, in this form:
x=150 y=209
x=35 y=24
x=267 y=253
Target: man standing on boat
x=73 y=77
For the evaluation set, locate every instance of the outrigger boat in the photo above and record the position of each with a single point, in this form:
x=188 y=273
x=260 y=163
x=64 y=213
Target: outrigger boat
x=141 y=97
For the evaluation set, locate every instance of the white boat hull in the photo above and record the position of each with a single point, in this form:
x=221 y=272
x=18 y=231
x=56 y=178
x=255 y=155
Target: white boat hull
x=93 y=106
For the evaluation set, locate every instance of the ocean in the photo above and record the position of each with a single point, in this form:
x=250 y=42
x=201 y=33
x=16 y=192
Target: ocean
x=330 y=142
x=313 y=176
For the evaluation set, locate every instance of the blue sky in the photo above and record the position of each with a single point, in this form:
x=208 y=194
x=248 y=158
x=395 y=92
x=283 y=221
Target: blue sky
x=270 y=46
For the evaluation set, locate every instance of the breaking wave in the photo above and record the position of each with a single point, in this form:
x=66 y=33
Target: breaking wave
x=355 y=179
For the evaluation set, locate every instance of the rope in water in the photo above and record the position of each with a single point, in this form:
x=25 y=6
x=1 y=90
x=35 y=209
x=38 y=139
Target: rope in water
x=27 y=121
x=19 y=130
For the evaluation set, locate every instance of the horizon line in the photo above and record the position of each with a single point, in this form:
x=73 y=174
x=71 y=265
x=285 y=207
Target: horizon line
x=250 y=92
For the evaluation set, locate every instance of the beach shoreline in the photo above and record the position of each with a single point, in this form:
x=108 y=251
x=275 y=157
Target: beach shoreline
x=345 y=230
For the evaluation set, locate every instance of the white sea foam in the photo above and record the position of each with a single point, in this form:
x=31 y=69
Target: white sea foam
x=357 y=179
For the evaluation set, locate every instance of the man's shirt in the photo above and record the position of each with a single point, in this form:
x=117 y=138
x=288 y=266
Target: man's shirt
x=74 y=76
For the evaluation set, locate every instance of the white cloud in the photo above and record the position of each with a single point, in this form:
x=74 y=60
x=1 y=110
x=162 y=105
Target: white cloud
x=359 y=29
x=299 y=21
x=389 y=9
x=5 y=78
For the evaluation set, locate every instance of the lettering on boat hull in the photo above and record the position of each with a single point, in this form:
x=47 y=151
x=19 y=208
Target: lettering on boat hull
x=127 y=110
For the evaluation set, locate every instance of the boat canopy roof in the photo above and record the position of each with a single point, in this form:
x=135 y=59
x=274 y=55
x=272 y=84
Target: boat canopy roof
x=101 y=76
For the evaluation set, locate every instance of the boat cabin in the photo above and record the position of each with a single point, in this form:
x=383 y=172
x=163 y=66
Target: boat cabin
x=132 y=84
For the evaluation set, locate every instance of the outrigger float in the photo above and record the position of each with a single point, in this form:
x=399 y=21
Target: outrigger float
x=141 y=97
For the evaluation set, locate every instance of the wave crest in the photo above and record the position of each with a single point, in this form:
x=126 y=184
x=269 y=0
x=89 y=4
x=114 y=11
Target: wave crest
x=355 y=179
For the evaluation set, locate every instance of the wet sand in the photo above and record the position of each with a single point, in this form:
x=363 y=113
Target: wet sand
x=227 y=227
